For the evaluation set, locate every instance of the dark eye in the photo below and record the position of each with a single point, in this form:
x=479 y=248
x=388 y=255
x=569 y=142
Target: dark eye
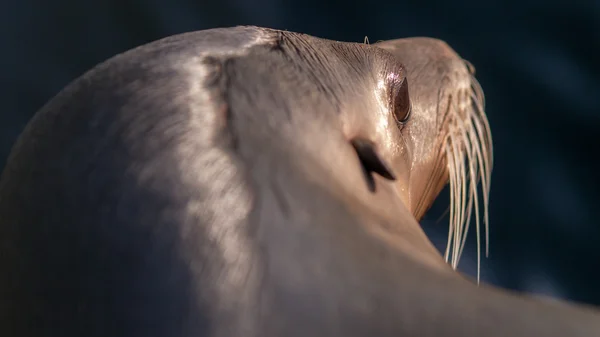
x=400 y=101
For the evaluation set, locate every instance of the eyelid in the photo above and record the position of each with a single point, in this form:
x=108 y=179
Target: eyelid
x=408 y=114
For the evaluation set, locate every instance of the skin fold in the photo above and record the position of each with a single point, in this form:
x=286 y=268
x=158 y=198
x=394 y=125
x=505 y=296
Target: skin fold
x=207 y=184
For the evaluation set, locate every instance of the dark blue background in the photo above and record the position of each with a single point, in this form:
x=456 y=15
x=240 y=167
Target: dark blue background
x=538 y=62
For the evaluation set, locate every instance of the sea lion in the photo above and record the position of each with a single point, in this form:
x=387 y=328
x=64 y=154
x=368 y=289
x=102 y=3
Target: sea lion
x=254 y=182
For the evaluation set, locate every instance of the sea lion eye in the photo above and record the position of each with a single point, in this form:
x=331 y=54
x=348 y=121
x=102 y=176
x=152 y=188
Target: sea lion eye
x=400 y=101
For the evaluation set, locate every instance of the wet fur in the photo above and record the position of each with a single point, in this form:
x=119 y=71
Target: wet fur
x=167 y=193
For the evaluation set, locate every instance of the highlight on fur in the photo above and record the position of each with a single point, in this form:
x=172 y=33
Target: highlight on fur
x=469 y=159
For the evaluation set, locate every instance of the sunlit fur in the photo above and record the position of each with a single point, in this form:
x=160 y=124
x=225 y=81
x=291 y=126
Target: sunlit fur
x=469 y=158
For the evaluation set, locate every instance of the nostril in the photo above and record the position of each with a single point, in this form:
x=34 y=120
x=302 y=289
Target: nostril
x=371 y=162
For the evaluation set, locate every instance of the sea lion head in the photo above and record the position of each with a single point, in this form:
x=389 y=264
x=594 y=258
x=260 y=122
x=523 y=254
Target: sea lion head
x=439 y=108
x=424 y=125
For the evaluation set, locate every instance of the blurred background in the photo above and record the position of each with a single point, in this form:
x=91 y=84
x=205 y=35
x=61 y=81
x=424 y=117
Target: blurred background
x=538 y=63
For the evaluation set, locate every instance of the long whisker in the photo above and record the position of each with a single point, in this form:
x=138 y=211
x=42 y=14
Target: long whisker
x=469 y=154
x=453 y=189
x=459 y=192
x=485 y=137
x=459 y=210
x=472 y=187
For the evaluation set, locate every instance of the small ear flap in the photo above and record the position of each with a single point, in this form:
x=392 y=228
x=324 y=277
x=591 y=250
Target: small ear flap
x=371 y=162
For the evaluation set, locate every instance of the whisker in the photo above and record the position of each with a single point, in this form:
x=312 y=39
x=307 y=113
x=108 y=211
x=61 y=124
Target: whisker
x=485 y=179
x=451 y=178
x=472 y=187
x=485 y=137
x=469 y=157
x=461 y=223
x=455 y=191
x=442 y=216
x=459 y=185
